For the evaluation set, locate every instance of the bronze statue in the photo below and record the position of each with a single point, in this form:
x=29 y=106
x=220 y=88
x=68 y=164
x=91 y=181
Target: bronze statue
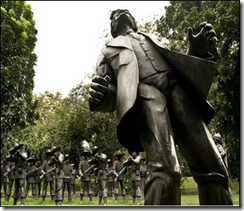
x=219 y=144
x=68 y=172
x=92 y=160
x=120 y=171
x=57 y=159
x=160 y=98
x=101 y=163
x=143 y=173
x=85 y=176
x=4 y=175
x=10 y=180
x=72 y=183
x=31 y=176
x=19 y=158
x=38 y=180
x=47 y=176
x=110 y=178
x=134 y=161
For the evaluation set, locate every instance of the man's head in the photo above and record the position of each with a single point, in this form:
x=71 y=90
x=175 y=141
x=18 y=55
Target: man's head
x=119 y=19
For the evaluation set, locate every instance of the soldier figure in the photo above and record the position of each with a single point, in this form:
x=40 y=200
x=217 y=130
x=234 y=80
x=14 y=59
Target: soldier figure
x=19 y=157
x=85 y=176
x=72 y=183
x=101 y=160
x=95 y=171
x=143 y=172
x=57 y=159
x=120 y=171
x=110 y=178
x=4 y=174
x=47 y=177
x=68 y=171
x=134 y=161
x=10 y=180
x=31 y=176
x=38 y=180
x=218 y=142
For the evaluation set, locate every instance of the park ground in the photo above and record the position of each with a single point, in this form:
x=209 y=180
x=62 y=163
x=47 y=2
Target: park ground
x=189 y=197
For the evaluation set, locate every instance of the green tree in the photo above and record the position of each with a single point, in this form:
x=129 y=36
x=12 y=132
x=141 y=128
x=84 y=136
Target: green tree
x=225 y=91
x=95 y=128
x=18 y=38
x=43 y=134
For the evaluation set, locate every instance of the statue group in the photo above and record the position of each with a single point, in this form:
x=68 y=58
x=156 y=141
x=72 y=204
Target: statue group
x=57 y=172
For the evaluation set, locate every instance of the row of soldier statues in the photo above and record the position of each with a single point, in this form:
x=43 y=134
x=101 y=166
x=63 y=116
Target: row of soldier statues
x=57 y=172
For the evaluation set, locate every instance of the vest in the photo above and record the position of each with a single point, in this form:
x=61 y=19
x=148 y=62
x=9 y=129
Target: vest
x=150 y=61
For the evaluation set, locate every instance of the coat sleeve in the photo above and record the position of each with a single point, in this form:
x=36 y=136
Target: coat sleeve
x=103 y=69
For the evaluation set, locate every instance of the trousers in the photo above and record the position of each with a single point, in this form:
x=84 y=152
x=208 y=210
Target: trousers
x=165 y=118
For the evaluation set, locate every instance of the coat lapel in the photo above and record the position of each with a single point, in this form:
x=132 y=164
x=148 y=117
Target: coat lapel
x=120 y=41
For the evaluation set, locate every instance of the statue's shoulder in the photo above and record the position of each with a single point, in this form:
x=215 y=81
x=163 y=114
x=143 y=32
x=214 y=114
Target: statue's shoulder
x=154 y=40
x=120 y=41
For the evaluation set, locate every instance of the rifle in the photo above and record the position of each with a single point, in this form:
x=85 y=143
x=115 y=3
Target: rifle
x=87 y=170
x=121 y=171
x=48 y=171
x=32 y=171
x=111 y=172
x=10 y=170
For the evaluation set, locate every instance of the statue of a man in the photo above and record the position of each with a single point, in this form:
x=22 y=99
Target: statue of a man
x=84 y=171
x=57 y=159
x=101 y=161
x=19 y=157
x=31 y=176
x=120 y=171
x=134 y=161
x=68 y=172
x=48 y=177
x=160 y=98
x=4 y=175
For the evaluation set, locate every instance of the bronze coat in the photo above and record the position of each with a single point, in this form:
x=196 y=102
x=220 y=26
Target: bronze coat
x=119 y=61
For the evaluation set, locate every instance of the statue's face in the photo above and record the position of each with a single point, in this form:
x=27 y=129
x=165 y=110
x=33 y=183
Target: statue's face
x=118 y=21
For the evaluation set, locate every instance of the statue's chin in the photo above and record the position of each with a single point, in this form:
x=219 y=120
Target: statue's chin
x=120 y=22
x=123 y=20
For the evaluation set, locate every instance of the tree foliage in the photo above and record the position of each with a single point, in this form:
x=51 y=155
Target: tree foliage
x=18 y=38
x=225 y=91
x=67 y=122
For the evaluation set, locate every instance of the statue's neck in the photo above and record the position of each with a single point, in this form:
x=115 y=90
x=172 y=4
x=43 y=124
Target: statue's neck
x=124 y=31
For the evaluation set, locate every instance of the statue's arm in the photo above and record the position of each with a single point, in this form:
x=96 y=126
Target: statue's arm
x=102 y=92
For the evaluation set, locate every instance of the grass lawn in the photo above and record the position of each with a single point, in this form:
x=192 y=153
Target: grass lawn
x=186 y=200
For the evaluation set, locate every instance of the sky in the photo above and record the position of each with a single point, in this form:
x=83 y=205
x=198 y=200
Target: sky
x=69 y=38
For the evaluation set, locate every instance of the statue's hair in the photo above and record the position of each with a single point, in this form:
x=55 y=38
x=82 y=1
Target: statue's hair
x=113 y=31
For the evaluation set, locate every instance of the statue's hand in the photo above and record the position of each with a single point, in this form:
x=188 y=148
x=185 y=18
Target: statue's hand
x=200 y=43
x=98 y=89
